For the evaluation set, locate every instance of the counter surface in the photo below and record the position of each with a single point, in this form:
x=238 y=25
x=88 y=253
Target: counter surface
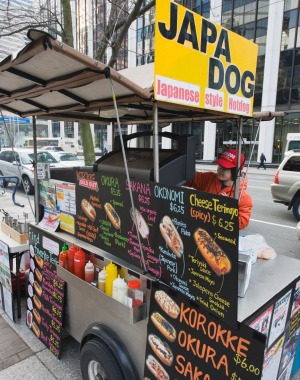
x=13 y=246
x=268 y=278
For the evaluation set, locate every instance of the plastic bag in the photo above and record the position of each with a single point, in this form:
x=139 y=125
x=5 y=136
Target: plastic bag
x=256 y=246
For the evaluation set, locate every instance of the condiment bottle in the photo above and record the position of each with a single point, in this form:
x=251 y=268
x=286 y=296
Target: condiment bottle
x=63 y=256
x=89 y=272
x=79 y=263
x=102 y=280
x=119 y=289
x=71 y=254
x=111 y=275
x=135 y=293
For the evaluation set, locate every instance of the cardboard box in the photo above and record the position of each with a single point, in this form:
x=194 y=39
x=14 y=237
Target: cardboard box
x=15 y=235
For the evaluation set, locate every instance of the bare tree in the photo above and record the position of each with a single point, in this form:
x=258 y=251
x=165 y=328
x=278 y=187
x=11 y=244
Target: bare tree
x=16 y=18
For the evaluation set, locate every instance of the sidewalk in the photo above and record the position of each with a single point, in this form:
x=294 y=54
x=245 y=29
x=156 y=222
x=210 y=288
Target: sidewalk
x=22 y=355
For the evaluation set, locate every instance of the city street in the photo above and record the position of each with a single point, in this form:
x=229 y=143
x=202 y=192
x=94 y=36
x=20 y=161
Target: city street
x=272 y=220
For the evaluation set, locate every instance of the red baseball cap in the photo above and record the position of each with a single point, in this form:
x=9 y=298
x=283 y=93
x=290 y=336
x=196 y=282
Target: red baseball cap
x=228 y=159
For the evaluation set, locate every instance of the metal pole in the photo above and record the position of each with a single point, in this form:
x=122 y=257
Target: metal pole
x=155 y=143
x=239 y=140
x=36 y=184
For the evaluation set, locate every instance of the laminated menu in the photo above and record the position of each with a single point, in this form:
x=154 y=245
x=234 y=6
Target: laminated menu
x=185 y=238
x=45 y=290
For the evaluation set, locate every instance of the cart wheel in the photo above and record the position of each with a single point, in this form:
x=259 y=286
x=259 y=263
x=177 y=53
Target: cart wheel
x=97 y=362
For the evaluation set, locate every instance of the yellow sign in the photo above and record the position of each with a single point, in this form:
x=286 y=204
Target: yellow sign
x=201 y=64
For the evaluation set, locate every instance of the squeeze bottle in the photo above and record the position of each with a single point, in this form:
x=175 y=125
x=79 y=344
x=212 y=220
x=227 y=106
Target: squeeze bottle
x=79 y=263
x=63 y=256
x=135 y=292
x=102 y=280
x=111 y=275
x=119 y=289
x=89 y=272
x=71 y=254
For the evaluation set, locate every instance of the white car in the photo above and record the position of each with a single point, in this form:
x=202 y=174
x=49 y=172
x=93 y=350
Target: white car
x=67 y=159
x=19 y=163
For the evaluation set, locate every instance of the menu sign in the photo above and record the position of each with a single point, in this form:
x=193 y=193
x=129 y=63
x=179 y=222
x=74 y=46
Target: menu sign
x=45 y=290
x=185 y=238
x=6 y=301
x=186 y=342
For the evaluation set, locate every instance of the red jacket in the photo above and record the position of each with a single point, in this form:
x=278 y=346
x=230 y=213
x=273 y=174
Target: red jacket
x=209 y=183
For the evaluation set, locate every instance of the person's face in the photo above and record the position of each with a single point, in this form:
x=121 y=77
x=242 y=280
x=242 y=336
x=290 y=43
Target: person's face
x=224 y=174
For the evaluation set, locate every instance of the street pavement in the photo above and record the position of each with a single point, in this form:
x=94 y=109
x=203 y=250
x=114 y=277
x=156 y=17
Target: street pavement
x=22 y=355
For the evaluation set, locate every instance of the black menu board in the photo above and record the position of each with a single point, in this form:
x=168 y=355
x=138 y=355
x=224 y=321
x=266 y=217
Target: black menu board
x=45 y=290
x=186 y=342
x=185 y=238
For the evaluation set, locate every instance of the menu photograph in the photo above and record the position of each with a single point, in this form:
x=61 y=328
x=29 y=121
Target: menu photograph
x=185 y=238
x=262 y=323
x=45 y=290
x=184 y=341
x=6 y=281
x=279 y=317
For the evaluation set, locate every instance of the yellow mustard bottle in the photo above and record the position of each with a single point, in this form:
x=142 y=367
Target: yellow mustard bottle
x=111 y=275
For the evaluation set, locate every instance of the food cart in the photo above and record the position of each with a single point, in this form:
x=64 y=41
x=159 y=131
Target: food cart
x=190 y=323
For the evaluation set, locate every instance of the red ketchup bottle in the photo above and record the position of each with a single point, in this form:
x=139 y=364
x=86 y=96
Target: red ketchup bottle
x=63 y=256
x=71 y=254
x=79 y=263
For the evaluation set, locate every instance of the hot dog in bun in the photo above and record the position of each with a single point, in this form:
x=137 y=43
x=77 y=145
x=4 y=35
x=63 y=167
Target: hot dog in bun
x=39 y=261
x=112 y=215
x=163 y=326
x=161 y=349
x=38 y=289
x=212 y=253
x=37 y=316
x=37 y=302
x=171 y=236
x=35 y=329
x=88 y=209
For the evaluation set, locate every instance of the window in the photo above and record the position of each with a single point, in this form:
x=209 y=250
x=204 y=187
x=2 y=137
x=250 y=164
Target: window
x=293 y=164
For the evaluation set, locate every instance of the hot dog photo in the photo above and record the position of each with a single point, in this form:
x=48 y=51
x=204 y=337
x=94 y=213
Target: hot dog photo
x=39 y=261
x=161 y=349
x=142 y=226
x=37 y=288
x=88 y=209
x=169 y=306
x=112 y=215
x=163 y=326
x=171 y=236
x=212 y=253
x=156 y=368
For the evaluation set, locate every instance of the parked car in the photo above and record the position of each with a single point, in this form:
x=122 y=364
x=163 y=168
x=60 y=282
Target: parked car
x=68 y=159
x=19 y=163
x=53 y=148
x=286 y=186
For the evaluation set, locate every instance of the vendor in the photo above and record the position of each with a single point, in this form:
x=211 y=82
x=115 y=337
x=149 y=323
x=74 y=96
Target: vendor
x=222 y=183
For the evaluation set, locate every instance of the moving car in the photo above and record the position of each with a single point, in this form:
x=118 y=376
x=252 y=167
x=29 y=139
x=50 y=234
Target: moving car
x=53 y=148
x=19 y=163
x=68 y=159
x=286 y=186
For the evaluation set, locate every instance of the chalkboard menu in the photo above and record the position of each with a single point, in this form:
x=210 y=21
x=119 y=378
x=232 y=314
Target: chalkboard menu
x=45 y=290
x=186 y=342
x=185 y=238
